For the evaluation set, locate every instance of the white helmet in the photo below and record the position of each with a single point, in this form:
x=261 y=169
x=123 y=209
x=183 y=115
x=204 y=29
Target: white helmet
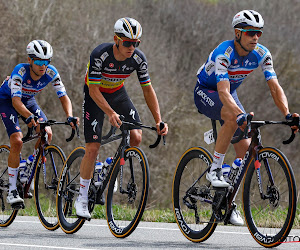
x=39 y=49
x=248 y=18
x=128 y=27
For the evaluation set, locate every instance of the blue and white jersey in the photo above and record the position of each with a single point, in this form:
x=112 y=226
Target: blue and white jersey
x=21 y=84
x=225 y=64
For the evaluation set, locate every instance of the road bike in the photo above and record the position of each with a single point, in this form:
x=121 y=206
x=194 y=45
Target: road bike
x=43 y=171
x=269 y=191
x=128 y=173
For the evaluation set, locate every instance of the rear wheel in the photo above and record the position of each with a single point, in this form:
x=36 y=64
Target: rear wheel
x=193 y=196
x=68 y=191
x=7 y=213
x=270 y=218
x=127 y=193
x=46 y=181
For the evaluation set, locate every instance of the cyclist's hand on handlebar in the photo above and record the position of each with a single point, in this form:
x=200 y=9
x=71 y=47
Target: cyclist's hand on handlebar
x=163 y=131
x=241 y=120
x=115 y=120
x=291 y=118
x=31 y=121
x=73 y=121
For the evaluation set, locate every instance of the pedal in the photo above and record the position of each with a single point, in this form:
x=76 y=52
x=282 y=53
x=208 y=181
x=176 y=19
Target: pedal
x=18 y=205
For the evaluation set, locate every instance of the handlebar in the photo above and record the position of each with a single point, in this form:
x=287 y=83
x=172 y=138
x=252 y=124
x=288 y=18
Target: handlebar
x=44 y=124
x=295 y=122
x=134 y=125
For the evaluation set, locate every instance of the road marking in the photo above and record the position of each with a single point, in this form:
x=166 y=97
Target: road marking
x=40 y=246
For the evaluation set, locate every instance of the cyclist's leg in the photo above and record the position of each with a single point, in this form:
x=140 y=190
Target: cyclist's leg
x=123 y=105
x=93 y=118
x=209 y=104
x=34 y=108
x=242 y=146
x=11 y=122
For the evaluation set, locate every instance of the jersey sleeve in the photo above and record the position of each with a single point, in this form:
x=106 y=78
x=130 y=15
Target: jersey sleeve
x=16 y=80
x=56 y=81
x=267 y=66
x=142 y=69
x=222 y=62
x=94 y=67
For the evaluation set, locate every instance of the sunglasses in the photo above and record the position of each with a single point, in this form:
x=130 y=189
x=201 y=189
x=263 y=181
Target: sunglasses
x=41 y=62
x=128 y=43
x=252 y=32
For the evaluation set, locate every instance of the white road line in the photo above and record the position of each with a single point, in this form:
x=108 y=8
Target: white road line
x=40 y=246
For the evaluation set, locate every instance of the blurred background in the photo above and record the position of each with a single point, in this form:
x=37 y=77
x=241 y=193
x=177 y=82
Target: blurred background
x=178 y=36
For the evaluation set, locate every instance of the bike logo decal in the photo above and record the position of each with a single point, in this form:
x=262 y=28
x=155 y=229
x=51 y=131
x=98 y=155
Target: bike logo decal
x=94 y=124
x=181 y=222
x=133 y=153
x=114 y=228
x=264 y=155
x=263 y=239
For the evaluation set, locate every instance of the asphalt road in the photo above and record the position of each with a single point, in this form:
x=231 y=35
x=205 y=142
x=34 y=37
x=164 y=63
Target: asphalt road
x=28 y=233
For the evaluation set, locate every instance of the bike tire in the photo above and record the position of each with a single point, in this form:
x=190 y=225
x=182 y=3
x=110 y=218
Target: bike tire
x=270 y=220
x=7 y=213
x=189 y=179
x=132 y=203
x=45 y=185
x=67 y=192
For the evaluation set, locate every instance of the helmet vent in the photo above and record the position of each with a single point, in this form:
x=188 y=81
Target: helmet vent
x=45 y=50
x=36 y=48
x=125 y=27
x=256 y=18
x=246 y=15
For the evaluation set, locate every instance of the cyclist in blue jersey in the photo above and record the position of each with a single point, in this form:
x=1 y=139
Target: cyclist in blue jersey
x=104 y=93
x=218 y=78
x=17 y=99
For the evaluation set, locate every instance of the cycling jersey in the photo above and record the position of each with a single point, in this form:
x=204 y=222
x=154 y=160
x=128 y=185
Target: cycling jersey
x=21 y=84
x=225 y=64
x=110 y=74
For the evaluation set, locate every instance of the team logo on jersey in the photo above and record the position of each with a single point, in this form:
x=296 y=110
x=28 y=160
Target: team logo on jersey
x=28 y=81
x=22 y=71
x=235 y=61
x=3 y=115
x=17 y=127
x=98 y=64
x=95 y=137
x=143 y=67
x=12 y=118
x=111 y=65
x=132 y=113
x=38 y=112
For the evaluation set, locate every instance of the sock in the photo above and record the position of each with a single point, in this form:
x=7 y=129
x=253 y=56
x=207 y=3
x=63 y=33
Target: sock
x=13 y=174
x=84 y=188
x=217 y=161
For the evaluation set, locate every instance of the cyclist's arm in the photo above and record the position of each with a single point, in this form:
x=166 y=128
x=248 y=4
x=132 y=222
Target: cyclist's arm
x=67 y=105
x=278 y=96
x=227 y=99
x=98 y=98
x=21 y=109
x=152 y=103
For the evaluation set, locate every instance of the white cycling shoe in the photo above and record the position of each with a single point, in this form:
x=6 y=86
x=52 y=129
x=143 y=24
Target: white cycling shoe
x=216 y=178
x=82 y=209
x=14 y=197
x=236 y=218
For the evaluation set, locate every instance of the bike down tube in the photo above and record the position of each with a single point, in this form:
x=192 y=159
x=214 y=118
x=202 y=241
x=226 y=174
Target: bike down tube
x=30 y=179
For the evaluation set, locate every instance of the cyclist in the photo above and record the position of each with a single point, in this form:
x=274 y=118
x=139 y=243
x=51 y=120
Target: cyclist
x=218 y=78
x=104 y=93
x=17 y=98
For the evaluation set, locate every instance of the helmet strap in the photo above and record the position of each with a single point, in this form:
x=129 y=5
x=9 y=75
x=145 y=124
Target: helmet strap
x=239 y=42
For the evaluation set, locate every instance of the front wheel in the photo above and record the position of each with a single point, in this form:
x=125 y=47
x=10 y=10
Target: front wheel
x=68 y=191
x=127 y=193
x=45 y=186
x=270 y=217
x=193 y=195
x=7 y=213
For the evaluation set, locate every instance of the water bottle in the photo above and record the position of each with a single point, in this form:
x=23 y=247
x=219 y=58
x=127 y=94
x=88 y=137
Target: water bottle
x=98 y=176
x=225 y=171
x=23 y=171
x=29 y=163
x=105 y=166
x=234 y=169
